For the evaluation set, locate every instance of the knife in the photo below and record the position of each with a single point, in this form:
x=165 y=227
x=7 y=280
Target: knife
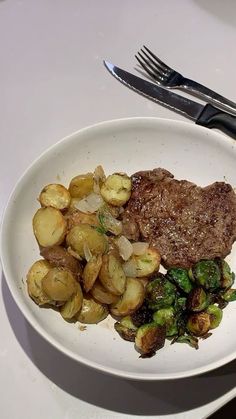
x=208 y=116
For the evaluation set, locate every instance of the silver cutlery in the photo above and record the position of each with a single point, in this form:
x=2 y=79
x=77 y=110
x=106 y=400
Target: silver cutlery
x=169 y=78
x=207 y=116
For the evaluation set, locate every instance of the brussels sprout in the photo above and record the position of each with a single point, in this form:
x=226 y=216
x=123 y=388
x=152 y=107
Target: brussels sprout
x=180 y=277
x=229 y=295
x=160 y=293
x=166 y=317
x=126 y=329
x=198 y=324
x=207 y=274
x=180 y=304
x=227 y=277
x=149 y=338
x=215 y=314
x=190 y=340
x=142 y=316
x=197 y=300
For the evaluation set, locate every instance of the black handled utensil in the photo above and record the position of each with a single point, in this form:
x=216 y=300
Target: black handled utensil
x=208 y=116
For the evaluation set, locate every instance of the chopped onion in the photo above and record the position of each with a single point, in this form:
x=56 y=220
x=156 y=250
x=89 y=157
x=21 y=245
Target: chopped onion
x=73 y=253
x=90 y=203
x=87 y=252
x=130 y=268
x=98 y=176
x=111 y=224
x=125 y=247
x=139 y=248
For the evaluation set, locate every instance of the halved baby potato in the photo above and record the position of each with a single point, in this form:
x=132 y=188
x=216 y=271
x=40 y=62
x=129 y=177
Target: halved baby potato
x=81 y=185
x=100 y=294
x=92 y=312
x=116 y=189
x=77 y=217
x=49 y=226
x=59 y=284
x=144 y=265
x=34 y=281
x=91 y=272
x=131 y=300
x=112 y=275
x=84 y=233
x=56 y=196
x=73 y=305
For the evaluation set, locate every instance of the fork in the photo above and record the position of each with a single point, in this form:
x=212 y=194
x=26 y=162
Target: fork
x=167 y=77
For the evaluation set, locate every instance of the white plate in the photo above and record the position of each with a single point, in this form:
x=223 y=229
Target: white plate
x=189 y=152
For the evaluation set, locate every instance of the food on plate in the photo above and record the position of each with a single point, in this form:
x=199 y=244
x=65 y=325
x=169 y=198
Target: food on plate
x=49 y=226
x=103 y=241
x=185 y=222
x=56 y=196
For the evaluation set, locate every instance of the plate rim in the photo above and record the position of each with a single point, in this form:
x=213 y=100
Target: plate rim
x=27 y=313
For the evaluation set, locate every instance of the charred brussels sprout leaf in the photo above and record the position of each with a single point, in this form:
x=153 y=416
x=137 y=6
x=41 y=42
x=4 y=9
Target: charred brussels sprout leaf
x=180 y=277
x=160 y=293
x=142 y=316
x=198 y=324
x=229 y=295
x=149 y=338
x=166 y=317
x=197 y=300
x=190 y=340
x=215 y=314
x=126 y=329
x=207 y=274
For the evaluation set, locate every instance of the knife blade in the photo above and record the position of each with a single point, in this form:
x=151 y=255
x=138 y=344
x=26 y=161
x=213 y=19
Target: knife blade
x=208 y=116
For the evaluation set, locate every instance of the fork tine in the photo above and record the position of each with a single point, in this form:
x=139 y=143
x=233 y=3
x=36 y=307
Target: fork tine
x=157 y=59
x=146 y=68
x=156 y=71
x=156 y=65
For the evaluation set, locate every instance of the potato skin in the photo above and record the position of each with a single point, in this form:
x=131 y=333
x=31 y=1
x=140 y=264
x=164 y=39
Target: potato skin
x=34 y=279
x=84 y=233
x=49 y=226
x=77 y=217
x=92 y=312
x=116 y=189
x=59 y=284
x=58 y=256
x=56 y=196
x=81 y=185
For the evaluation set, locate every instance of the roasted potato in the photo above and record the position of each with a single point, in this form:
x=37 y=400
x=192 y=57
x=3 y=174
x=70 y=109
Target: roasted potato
x=112 y=275
x=81 y=185
x=84 y=233
x=116 y=189
x=77 y=217
x=92 y=311
x=91 y=272
x=58 y=256
x=131 y=300
x=49 y=226
x=73 y=305
x=34 y=281
x=143 y=265
x=56 y=196
x=59 y=284
x=100 y=294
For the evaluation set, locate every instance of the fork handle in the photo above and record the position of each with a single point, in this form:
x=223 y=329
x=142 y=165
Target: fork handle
x=206 y=93
x=212 y=117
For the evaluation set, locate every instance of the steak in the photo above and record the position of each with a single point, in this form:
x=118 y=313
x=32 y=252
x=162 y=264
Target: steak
x=185 y=222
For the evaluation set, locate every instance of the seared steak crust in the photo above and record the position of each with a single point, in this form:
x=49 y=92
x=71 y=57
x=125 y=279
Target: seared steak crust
x=185 y=222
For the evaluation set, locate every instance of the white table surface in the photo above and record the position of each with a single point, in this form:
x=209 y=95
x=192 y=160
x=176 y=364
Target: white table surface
x=52 y=82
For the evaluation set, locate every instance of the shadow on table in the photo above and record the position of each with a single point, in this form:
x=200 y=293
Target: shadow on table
x=108 y=392
x=223 y=10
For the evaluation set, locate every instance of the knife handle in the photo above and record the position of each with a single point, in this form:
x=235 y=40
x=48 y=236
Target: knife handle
x=212 y=117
